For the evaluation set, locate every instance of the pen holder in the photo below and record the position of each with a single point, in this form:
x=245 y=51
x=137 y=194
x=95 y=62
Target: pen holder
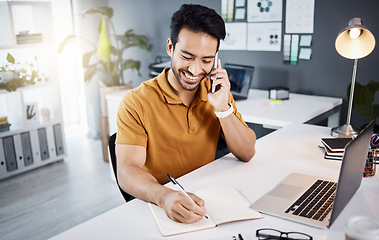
x=370 y=166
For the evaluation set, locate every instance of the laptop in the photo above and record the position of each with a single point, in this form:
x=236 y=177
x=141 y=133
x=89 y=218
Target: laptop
x=240 y=78
x=296 y=197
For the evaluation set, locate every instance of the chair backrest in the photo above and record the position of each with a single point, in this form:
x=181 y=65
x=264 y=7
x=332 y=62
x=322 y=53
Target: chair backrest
x=112 y=152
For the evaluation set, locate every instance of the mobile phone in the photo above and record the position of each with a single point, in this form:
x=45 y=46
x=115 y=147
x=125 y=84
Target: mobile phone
x=213 y=90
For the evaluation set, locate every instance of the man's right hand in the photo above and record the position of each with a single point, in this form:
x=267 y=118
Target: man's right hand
x=180 y=209
x=134 y=180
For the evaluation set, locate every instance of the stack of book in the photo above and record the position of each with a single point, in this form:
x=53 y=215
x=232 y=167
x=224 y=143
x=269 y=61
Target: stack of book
x=334 y=147
x=27 y=38
x=4 y=124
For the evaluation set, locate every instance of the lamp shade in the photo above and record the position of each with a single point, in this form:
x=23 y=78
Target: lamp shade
x=355 y=47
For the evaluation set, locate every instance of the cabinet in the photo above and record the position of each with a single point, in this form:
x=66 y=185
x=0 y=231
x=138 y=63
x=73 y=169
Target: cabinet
x=31 y=147
x=38 y=139
x=25 y=24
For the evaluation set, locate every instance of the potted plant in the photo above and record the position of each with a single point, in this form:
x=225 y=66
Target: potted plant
x=107 y=56
x=14 y=74
x=364 y=96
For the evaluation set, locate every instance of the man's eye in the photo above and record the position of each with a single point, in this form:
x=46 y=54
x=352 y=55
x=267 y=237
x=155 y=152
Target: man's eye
x=186 y=58
x=206 y=61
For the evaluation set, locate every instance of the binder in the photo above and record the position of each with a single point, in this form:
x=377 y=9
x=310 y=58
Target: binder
x=3 y=167
x=51 y=141
x=9 y=153
x=59 y=147
x=35 y=146
x=44 y=150
x=336 y=144
x=18 y=150
x=27 y=148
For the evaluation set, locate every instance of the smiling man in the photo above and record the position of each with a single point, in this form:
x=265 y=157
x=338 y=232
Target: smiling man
x=172 y=123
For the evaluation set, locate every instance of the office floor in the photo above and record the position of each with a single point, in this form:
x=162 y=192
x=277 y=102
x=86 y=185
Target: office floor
x=49 y=200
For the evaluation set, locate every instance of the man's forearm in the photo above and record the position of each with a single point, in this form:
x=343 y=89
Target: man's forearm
x=239 y=138
x=177 y=206
x=141 y=184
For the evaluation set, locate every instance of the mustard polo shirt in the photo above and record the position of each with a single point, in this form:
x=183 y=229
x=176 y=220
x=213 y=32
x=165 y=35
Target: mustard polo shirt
x=179 y=138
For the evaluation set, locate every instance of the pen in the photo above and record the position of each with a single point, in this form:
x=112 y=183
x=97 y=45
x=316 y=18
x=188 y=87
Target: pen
x=215 y=66
x=173 y=180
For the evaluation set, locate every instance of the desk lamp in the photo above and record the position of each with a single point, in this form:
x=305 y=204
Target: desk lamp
x=354 y=42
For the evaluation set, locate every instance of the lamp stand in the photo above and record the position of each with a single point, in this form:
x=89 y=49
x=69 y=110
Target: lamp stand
x=348 y=130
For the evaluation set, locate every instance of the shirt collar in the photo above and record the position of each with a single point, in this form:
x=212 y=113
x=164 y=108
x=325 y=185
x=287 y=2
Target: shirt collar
x=172 y=98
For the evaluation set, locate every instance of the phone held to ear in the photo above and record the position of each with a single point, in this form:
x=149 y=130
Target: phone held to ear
x=213 y=90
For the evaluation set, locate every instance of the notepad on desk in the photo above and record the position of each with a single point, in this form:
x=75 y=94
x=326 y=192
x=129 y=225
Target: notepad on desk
x=336 y=144
x=223 y=205
x=334 y=147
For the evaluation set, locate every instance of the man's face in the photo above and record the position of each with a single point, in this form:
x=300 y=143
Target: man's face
x=192 y=58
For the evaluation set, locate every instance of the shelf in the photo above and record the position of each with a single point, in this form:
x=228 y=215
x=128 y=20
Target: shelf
x=36 y=135
x=30 y=87
x=34 y=45
x=44 y=99
x=24 y=17
x=30 y=148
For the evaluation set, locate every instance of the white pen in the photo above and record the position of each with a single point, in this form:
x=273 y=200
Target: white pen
x=173 y=180
x=215 y=66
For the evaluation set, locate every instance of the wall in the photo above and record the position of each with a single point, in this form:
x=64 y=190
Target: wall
x=326 y=74
x=88 y=27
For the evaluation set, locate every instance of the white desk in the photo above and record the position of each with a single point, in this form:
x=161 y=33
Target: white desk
x=257 y=109
x=290 y=149
x=299 y=108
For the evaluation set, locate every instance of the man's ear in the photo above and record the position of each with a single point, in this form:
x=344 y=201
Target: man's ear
x=169 y=47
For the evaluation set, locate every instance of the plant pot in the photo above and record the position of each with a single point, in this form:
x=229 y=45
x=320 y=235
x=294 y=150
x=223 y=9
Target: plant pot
x=104 y=124
x=104 y=90
x=7 y=76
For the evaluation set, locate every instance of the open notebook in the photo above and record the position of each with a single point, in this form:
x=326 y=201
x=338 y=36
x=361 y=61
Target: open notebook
x=222 y=204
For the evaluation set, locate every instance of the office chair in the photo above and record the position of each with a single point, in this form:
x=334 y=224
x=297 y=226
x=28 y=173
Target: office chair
x=112 y=151
x=221 y=151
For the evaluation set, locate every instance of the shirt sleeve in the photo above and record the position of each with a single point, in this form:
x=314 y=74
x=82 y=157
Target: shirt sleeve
x=130 y=124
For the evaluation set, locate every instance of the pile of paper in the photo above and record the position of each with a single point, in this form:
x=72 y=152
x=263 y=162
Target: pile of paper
x=4 y=124
x=334 y=147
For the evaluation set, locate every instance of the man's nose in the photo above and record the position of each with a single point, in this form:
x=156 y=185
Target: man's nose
x=195 y=68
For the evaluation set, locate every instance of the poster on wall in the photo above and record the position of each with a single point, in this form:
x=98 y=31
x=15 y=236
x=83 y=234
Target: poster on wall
x=264 y=10
x=264 y=36
x=299 y=16
x=235 y=38
x=32 y=112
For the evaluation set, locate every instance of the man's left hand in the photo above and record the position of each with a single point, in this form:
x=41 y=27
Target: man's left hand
x=220 y=79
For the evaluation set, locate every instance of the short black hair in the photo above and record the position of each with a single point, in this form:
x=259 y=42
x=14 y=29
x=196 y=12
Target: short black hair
x=197 y=18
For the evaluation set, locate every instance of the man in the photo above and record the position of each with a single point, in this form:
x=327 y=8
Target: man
x=169 y=124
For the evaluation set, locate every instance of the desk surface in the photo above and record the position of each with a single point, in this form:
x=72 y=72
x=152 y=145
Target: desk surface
x=300 y=108
x=290 y=149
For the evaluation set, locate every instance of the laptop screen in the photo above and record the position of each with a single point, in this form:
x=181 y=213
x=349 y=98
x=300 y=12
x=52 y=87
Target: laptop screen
x=351 y=172
x=240 y=78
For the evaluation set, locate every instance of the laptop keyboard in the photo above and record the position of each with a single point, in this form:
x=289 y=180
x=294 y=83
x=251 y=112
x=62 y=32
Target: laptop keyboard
x=316 y=202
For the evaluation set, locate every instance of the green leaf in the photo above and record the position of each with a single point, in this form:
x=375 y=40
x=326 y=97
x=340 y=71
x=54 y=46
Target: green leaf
x=10 y=58
x=368 y=111
x=67 y=39
x=107 y=11
x=129 y=39
x=89 y=72
x=131 y=64
x=87 y=57
x=103 y=46
x=364 y=96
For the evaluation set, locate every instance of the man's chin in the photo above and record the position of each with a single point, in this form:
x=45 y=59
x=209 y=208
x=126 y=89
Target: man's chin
x=190 y=86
